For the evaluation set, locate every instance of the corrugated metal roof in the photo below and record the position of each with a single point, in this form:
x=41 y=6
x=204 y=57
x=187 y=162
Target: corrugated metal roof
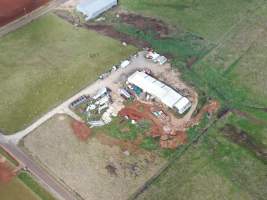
x=92 y=8
x=164 y=93
x=158 y=89
x=182 y=105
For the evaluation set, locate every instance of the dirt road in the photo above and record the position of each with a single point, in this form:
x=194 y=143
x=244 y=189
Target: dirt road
x=12 y=26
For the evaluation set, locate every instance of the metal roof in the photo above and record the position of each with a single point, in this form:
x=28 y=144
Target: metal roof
x=92 y=8
x=164 y=93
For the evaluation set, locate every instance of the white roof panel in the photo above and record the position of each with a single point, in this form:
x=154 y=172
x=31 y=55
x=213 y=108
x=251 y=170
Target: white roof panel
x=156 y=88
x=182 y=105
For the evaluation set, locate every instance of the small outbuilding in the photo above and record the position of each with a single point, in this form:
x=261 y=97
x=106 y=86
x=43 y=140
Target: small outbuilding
x=93 y=8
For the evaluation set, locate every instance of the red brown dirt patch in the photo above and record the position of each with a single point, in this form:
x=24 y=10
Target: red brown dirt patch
x=139 y=111
x=81 y=130
x=13 y=9
x=210 y=108
x=6 y=172
x=169 y=138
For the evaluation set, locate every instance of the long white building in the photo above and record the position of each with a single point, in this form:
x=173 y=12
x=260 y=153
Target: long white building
x=93 y=8
x=164 y=93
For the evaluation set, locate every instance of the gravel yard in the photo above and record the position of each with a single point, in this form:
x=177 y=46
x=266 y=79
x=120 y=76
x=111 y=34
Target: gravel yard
x=93 y=169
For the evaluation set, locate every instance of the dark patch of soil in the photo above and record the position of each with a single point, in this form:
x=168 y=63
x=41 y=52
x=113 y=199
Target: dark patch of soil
x=112 y=170
x=109 y=30
x=191 y=61
x=223 y=112
x=103 y=29
x=146 y=24
x=242 y=138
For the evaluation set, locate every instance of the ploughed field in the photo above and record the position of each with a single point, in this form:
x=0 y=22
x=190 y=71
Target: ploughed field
x=11 y=10
x=46 y=62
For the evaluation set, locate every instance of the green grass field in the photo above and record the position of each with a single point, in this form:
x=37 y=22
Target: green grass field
x=46 y=62
x=208 y=18
x=34 y=186
x=241 y=59
x=224 y=164
x=215 y=168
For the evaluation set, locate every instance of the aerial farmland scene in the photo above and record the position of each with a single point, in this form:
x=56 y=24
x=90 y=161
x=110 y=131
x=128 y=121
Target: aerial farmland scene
x=133 y=100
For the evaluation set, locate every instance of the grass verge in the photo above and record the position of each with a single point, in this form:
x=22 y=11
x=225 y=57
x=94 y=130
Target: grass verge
x=34 y=186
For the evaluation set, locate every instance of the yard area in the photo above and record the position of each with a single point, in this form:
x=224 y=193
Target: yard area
x=98 y=168
x=210 y=19
x=47 y=61
x=215 y=168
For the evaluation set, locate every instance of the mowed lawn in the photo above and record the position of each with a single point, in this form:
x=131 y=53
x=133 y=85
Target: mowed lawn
x=46 y=62
x=216 y=168
x=16 y=190
x=208 y=18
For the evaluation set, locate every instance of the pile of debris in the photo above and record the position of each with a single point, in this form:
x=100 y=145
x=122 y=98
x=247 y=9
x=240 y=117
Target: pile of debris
x=172 y=141
x=97 y=110
x=160 y=123
x=155 y=57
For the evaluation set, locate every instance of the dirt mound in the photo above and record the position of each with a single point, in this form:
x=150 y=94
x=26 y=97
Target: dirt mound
x=110 y=31
x=146 y=24
x=173 y=141
x=81 y=130
x=210 y=108
x=6 y=173
x=13 y=9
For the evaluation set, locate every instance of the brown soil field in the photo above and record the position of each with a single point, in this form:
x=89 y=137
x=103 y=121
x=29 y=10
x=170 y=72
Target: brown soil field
x=13 y=9
x=146 y=24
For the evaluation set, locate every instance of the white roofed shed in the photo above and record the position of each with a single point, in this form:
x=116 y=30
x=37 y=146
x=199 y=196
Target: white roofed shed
x=164 y=93
x=93 y=8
